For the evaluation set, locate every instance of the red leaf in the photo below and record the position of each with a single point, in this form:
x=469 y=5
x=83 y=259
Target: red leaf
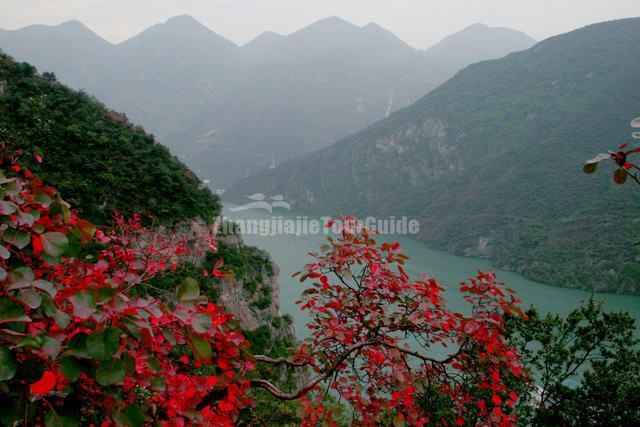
x=496 y=400
x=620 y=176
x=44 y=384
x=37 y=244
x=38 y=158
x=623 y=146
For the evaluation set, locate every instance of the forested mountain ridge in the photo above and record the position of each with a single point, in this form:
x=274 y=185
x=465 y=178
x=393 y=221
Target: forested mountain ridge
x=491 y=162
x=228 y=111
x=98 y=160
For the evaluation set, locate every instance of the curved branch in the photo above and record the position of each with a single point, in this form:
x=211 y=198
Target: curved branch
x=216 y=395
x=280 y=360
x=275 y=391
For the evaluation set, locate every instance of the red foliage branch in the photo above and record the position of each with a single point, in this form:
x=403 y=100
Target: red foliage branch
x=76 y=336
x=376 y=333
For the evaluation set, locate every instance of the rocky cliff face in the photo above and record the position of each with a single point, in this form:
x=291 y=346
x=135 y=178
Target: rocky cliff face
x=255 y=301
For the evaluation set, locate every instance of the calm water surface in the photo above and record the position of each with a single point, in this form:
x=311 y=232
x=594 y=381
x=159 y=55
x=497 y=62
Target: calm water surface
x=290 y=252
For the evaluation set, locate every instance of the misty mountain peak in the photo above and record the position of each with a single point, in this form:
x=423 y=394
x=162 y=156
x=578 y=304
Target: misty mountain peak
x=184 y=21
x=333 y=21
x=332 y=25
x=479 y=42
x=73 y=24
x=70 y=33
x=384 y=37
x=477 y=26
x=265 y=41
x=177 y=31
x=373 y=26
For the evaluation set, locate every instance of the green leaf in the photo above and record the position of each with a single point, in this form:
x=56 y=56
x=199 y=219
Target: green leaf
x=33 y=341
x=201 y=349
x=62 y=319
x=7 y=207
x=21 y=277
x=153 y=364
x=133 y=415
x=592 y=165
x=188 y=289
x=8 y=366
x=43 y=199
x=11 y=311
x=50 y=309
x=131 y=328
x=54 y=243
x=70 y=368
x=590 y=168
x=28 y=218
x=201 y=323
x=84 y=304
x=110 y=372
x=12 y=188
x=30 y=298
x=51 y=346
x=51 y=260
x=104 y=344
x=4 y=253
x=78 y=346
x=18 y=238
x=45 y=286
x=53 y=419
x=158 y=384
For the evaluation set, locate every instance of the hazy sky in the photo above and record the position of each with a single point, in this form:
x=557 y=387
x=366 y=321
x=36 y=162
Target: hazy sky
x=419 y=22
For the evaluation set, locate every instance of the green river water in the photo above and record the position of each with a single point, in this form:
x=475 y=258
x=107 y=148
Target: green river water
x=290 y=252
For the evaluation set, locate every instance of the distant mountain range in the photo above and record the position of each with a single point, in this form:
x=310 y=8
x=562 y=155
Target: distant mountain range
x=491 y=161
x=230 y=111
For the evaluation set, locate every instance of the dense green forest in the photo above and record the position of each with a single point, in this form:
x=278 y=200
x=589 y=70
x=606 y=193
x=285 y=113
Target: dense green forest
x=491 y=163
x=98 y=160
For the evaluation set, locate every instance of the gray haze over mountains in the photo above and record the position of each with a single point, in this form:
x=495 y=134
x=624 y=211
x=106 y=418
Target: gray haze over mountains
x=230 y=111
x=490 y=162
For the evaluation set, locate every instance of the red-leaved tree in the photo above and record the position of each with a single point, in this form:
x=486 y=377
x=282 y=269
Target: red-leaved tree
x=389 y=346
x=79 y=344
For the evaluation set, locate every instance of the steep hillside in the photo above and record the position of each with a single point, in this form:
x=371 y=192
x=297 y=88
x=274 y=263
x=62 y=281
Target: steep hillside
x=491 y=162
x=228 y=111
x=97 y=159
x=101 y=163
x=478 y=42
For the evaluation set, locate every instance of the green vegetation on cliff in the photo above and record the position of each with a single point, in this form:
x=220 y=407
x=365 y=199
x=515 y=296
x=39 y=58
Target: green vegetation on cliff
x=98 y=160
